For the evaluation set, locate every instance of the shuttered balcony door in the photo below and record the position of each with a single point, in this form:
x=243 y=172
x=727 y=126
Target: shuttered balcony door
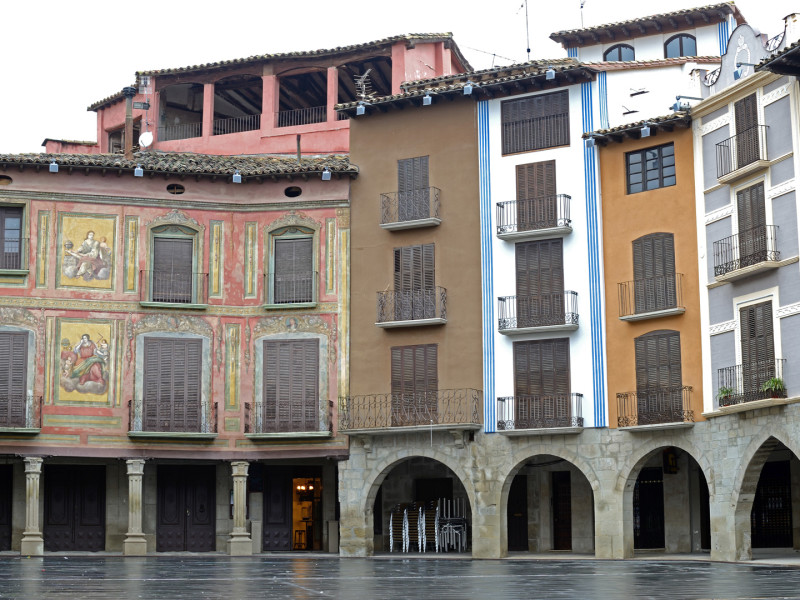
x=542 y=384
x=291 y=386
x=537 y=206
x=172 y=270
x=658 y=376
x=414 y=282
x=654 y=272
x=13 y=378
x=415 y=383
x=540 y=283
x=294 y=271
x=172 y=385
x=413 y=198
x=758 y=345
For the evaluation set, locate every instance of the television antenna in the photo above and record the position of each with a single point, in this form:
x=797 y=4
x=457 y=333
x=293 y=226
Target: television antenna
x=364 y=85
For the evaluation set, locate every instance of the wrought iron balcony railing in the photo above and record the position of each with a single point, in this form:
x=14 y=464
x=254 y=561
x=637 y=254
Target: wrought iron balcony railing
x=412 y=305
x=741 y=150
x=651 y=294
x=547 y=310
x=379 y=411
x=301 y=419
x=547 y=212
x=237 y=124
x=414 y=205
x=173 y=288
x=653 y=406
x=539 y=412
x=14 y=254
x=291 y=288
x=745 y=249
x=165 y=422
x=757 y=380
x=180 y=132
x=20 y=411
x=302 y=116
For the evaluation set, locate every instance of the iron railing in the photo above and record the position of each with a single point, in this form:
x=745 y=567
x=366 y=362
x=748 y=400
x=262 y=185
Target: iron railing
x=750 y=247
x=757 y=380
x=653 y=406
x=650 y=294
x=399 y=207
x=441 y=407
x=712 y=76
x=237 y=124
x=539 y=412
x=22 y=411
x=14 y=254
x=291 y=287
x=256 y=422
x=741 y=150
x=207 y=423
x=775 y=42
x=521 y=312
x=180 y=132
x=412 y=305
x=173 y=287
x=302 y=116
x=533 y=213
x=535 y=133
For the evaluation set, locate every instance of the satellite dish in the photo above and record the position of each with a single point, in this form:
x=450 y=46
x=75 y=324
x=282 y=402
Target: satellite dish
x=145 y=139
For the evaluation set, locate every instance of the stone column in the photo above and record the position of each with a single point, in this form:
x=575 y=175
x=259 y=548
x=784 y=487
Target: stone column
x=208 y=110
x=32 y=541
x=135 y=543
x=332 y=95
x=240 y=543
x=609 y=523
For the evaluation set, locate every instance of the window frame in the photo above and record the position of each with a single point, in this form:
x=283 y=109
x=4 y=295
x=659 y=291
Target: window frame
x=618 y=48
x=22 y=246
x=524 y=127
x=309 y=402
x=642 y=153
x=182 y=232
x=25 y=378
x=680 y=37
x=291 y=232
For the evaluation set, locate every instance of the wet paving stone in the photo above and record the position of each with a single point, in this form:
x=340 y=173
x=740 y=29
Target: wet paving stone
x=215 y=576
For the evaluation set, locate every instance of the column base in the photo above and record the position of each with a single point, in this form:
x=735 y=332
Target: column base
x=134 y=545
x=32 y=544
x=240 y=544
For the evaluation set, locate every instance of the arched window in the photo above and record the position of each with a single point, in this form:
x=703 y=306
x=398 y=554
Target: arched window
x=680 y=45
x=619 y=52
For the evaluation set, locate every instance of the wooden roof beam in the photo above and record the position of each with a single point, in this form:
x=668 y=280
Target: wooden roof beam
x=625 y=31
x=689 y=21
x=642 y=28
x=659 y=27
x=673 y=22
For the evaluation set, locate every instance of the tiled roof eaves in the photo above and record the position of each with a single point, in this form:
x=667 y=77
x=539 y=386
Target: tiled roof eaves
x=793 y=48
x=651 y=64
x=81 y=142
x=108 y=101
x=485 y=74
x=681 y=117
x=175 y=163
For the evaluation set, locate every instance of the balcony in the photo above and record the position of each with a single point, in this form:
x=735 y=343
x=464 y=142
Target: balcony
x=412 y=308
x=389 y=413
x=302 y=116
x=183 y=131
x=20 y=414
x=656 y=408
x=651 y=297
x=297 y=424
x=760 y=380
x=533 y=314
x=14 y=256
x=165 y=425
x=236 y=124
x=742 y=154
x=540 y=415
x=407 y=210
x=291 y=290
x=534 y=218
x=171 y=289
x=746 y=253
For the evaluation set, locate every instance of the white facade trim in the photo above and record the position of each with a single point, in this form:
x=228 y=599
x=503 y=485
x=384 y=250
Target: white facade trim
x=717 y=123
x=781 y=189
x=775 y=94
x=788 y=310
x=719 y=214
x=723 y=327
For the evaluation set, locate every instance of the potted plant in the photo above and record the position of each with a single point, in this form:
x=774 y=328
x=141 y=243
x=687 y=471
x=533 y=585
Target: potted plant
x=724 y=395
x=775 y=387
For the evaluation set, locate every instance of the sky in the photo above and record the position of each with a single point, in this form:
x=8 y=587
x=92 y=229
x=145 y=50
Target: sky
x=60 y=57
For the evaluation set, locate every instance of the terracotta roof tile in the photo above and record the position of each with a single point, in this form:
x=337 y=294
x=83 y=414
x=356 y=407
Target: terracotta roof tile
x=650 y=64
x=676 y=118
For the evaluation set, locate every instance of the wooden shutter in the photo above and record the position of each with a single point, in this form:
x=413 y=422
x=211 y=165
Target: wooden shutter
x=535 y=122
x=654 y=272
x=658 y=360
x=291 y=386
x=540 y=283
x=415 y=282
x=415 y=383
x=294 y=265
x=758 y=345
x=541 y=368
x=172 y=384
x=10 y=237
x=413 y=196
x=172 y=270
x=13 y=378
x=536 y=195
x=746 y=115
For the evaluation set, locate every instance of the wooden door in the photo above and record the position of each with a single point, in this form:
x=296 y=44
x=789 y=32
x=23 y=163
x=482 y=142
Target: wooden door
x=562 y=510
x=415 y=385
x=518 y=515
x=186 y=509
x=172 y=384
x=413 y=196
x=753 y=247
x=414 y=282
x=291 y=386
x=771 y=516
x=277 y=509
x=172 y=270
x=13 y=378
x=648 y=509
x=6 y=481
x=747 y=146
x=658 y=377
x=74 y=508
x=654 y=272
x=540 y=283
x=536 y=196
x=758 y=346
x=542 y=384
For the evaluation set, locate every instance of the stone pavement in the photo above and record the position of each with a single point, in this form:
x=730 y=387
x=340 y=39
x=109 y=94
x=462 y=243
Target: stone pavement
x=326 y=576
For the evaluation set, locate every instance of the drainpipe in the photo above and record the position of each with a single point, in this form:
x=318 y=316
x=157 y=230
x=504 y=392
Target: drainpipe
x=298 y=149
x=129 y=93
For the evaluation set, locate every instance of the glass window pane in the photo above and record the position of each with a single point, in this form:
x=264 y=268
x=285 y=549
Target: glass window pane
x=689 y=46
x=626 y=53
x=669 y=181
x=672 y=48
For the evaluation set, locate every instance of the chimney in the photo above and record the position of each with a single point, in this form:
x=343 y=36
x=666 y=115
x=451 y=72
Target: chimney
x=129 y=93
x=792 y=28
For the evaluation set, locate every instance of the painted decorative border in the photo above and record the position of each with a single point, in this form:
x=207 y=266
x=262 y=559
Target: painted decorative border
x=216 y=259
x=719 y=214
x=330 y=256
x=42 y=250
x=724 y=327
x=781 y=189
x=131 y=254
x=250 y=259
x=775 y=94
x=788 y=310
x=232 y=351
x=722 y=121
x=49 y=360
x=60 y=245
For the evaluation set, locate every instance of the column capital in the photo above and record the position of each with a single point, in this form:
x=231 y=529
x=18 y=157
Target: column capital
x=239 y=468
x=33 y=464
x=135 y=466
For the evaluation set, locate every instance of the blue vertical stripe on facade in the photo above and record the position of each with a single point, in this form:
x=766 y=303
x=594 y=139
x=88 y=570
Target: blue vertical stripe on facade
x=487 y=281
x=723 y=36
x=572 y=52
x=593 y=243
x=603 y=92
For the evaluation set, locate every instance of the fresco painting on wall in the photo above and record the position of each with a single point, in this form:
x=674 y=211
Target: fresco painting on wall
x=87 y=256
x=85 y=361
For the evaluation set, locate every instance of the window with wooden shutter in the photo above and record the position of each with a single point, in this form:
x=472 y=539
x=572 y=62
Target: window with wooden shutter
x=750 y=204
x=542 y=383
x=291 y=386
x=13 y=378
x=414 y=282
x=415 y=383
x=413 y=196
x=658 y=376
x=540 y=283
x=535 y=122
x=746 y=117
x=172 y=385
x=172 y=275
x=536 y=196
x=294 y=271
x=654 y=272
x=758 y=345
x=11 y=237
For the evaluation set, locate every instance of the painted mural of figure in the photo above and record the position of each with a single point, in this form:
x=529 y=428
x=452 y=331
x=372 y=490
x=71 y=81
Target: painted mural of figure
x=92 y=259
x=84 y=366
x=89 y=366
x=68 y=358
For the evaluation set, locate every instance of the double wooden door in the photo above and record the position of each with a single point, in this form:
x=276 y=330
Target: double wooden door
x=74 y=508
x=518 y=514
x=562 y=510
x=6 y=475
x=186 y=515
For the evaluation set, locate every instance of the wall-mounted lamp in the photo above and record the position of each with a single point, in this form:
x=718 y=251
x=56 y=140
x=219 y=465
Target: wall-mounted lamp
x=237 y=177
x=468 y=87
x=361 y=108
x=682 y=105
x=589 y=142
x=550 y=74
x=138 y=171
x=427 y=100
x=645 y=132
x=326 y=174
x=53 y=166
x=739 y=71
